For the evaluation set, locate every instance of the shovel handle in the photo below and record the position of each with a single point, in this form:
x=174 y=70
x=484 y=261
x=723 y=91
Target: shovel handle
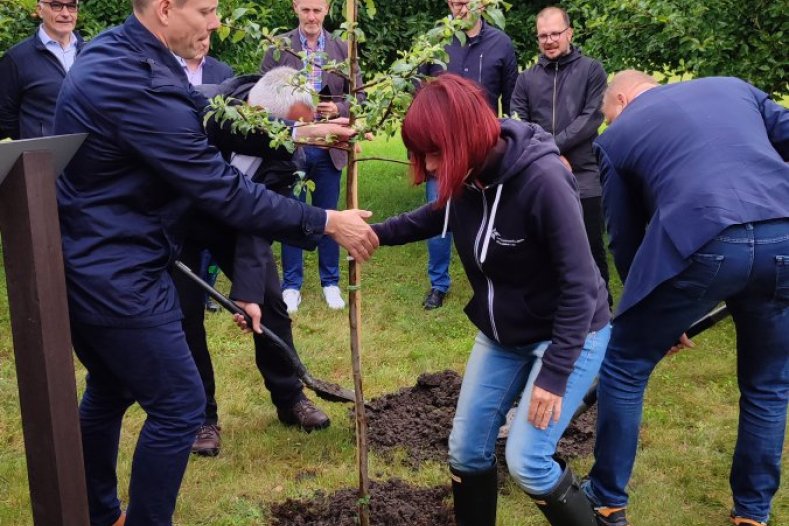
x=231 y=306
x=220 y=298
x=710 y=319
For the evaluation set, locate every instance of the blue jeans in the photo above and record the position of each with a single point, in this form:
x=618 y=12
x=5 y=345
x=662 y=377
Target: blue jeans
x=747 y=266
x=321 y=170
x=495 y=376
x=153 y=367
x=439 y=250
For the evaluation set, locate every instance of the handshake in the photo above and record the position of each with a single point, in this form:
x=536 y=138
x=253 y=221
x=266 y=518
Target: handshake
x=350 y=230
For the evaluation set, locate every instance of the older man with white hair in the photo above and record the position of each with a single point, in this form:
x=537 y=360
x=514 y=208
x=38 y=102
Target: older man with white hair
x=249 y=263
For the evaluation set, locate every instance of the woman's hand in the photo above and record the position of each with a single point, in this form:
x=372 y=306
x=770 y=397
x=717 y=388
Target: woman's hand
x=543 y=407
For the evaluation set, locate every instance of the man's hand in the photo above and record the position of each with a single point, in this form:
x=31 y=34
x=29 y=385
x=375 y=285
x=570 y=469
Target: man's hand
x=316 y=133
x=327 y=109
x=566 y=163
x=253 y=310
x=684 y=342
x=349 y=230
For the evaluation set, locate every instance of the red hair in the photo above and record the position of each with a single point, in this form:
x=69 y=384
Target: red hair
x=450 y=116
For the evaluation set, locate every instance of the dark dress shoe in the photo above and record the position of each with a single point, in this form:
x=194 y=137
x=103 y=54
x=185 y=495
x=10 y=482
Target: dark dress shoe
x=207 y=441
x=212 y=306
x=304 y=414
x=434 y=299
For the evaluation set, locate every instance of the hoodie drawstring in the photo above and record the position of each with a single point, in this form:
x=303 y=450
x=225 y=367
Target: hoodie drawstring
x=446 y=219
x=493 y=211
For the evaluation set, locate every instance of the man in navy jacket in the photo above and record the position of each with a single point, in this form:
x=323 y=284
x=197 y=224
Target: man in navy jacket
x=488 y=58
x=696 y=195
x=147 y=159
x=562 y=93
x=31 y=72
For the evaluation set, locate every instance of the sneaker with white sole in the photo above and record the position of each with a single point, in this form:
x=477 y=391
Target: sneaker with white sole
x=292 y=299
x=333 y=298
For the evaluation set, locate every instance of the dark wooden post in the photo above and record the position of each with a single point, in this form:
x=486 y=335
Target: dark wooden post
x=42 y=342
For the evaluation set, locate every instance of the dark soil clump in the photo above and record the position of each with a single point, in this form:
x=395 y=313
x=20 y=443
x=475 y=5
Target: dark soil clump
x=392 y=503
x=418 y=420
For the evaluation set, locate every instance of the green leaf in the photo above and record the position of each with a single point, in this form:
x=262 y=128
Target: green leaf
x=238 y=36
x=495 y=17
x=369 y=5
x=223 y=32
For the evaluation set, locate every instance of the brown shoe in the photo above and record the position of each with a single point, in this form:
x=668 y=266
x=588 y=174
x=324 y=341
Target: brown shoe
x=121 y=520
x=207 y=441
x=304 y=414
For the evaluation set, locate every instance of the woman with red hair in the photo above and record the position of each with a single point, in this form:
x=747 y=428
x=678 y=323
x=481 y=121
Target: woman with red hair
x=539 y=301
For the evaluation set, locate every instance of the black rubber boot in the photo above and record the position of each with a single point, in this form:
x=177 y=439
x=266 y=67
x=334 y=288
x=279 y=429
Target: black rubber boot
x=566 y=504
x=475 y=497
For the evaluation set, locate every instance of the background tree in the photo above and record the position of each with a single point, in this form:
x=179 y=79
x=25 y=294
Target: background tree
x=714 y=37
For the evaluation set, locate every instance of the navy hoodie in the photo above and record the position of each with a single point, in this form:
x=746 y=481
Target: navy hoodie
x=522 y=242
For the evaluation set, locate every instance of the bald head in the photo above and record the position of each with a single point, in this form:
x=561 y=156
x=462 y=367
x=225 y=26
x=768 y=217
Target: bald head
x=623 y=88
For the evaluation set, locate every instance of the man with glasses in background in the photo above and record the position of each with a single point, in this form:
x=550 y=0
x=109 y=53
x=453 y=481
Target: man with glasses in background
x=488 y=58
x=32 y=71
x=562 y=93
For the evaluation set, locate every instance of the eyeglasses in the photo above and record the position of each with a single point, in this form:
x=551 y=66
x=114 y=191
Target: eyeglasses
x=457 y=5
x=57 y=7
x=551 y=37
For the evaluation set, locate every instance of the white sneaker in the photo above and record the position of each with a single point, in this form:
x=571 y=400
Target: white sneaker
x=292 y=298
x=333 y=298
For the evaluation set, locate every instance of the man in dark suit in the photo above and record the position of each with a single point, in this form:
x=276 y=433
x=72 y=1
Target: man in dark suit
x=696 y=195
x=149 y=156
x=32 y=71
x=324 y=167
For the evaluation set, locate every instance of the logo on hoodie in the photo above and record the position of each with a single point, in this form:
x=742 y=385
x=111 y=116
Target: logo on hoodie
x=503 y=241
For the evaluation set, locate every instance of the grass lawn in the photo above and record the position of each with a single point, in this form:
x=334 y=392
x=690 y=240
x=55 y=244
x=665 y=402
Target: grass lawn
x=687 y=439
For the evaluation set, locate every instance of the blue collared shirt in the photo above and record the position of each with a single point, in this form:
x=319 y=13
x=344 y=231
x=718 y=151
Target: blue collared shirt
x=195 y=77
x=65 y=55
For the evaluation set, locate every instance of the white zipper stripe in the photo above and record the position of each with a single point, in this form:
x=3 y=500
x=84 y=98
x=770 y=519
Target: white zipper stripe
x=482 y=229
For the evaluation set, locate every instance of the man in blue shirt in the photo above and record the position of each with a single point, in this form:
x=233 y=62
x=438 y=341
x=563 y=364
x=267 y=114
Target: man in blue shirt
x=696 y=197
x=31 y=72
x=147 y=160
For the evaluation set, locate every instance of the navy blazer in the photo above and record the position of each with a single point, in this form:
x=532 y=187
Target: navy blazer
x=337 y=50
x=30 y=79
x=680 y=164
x=215 y=71
x=146 y=160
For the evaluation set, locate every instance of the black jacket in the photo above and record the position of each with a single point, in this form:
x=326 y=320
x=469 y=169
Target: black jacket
x=488 y=59
x=523 y=245
x=30 y=79
x=564 y=97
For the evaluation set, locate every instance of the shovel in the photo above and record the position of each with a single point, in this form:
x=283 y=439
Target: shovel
x=326 y=390
x=710 y=319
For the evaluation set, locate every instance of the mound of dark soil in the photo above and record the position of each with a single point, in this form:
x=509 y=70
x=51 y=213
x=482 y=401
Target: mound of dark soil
x=392 y=503
x=418 y=419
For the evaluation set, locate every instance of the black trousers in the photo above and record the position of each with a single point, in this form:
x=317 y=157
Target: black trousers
x=278 y=374
x=593 y=220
